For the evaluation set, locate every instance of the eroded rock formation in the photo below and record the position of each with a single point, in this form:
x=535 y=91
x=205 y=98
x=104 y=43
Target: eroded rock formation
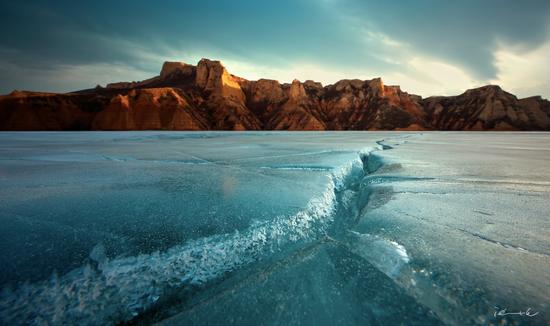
x=208 y=97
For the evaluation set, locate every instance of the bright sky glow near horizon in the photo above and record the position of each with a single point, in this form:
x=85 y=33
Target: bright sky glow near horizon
x=428 y=47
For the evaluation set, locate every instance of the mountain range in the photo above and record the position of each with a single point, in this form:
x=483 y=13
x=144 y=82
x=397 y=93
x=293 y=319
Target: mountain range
x=208 y=97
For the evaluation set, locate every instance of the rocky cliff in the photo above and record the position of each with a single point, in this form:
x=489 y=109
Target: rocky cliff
x=487 y=108
x=208 y=97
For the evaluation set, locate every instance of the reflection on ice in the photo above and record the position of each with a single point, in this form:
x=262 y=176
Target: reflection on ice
x=387 y=255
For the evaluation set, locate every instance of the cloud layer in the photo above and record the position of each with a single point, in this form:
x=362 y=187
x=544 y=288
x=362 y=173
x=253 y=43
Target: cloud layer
x=428 y=47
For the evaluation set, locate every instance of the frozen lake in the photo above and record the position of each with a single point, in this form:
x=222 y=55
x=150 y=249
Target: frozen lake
x=274 y=228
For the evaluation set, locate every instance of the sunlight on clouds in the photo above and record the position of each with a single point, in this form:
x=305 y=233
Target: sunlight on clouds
x=524 y=72
x=419 y=75
x=384 y=39
x=298 y=70
x=429 y=77
x=413 y=71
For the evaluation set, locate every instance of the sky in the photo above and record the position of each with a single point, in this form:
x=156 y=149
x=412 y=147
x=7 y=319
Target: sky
x=428 y=47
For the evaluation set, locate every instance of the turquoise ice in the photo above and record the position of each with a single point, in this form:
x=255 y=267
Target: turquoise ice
x=274 y=227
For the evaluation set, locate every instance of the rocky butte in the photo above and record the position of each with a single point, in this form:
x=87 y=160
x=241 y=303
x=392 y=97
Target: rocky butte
x=208 y=97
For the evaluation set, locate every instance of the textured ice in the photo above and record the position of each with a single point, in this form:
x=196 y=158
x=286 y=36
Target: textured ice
x=476 y=224
x=276 y=228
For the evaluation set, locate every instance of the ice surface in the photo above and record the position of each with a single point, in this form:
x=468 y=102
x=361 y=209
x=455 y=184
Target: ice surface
x=274 y=227
x=476 y=224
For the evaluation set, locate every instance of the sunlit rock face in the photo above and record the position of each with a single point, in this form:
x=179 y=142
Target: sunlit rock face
x=208 y=97
x=487 y=108
x=360 y=105
x=169 y=68
x=146 y=109
x=213 y=77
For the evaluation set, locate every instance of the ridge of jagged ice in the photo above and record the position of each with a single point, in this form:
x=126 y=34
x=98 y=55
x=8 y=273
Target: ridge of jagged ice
x=119 y=289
